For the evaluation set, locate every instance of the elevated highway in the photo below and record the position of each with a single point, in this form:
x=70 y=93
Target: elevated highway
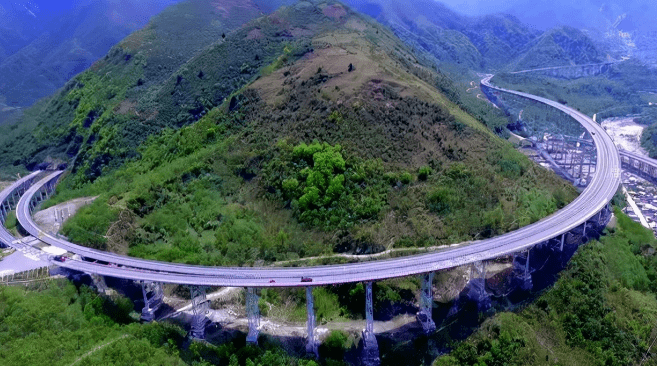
x=593 y=200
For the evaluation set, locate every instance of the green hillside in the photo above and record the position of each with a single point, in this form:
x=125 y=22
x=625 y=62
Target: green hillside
x=601 y=311
x=332 y=138
x=44 y=51
x=99 y=108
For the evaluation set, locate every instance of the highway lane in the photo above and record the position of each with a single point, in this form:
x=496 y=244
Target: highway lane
x=635 y=156
x=5 y=236
x=592 y=200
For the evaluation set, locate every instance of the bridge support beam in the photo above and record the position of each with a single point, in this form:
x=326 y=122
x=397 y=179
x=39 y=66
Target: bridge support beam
x=200 y=309
x=370 y=345
x=311 y=342
x=153 y=296
x=253 y=314
x=425 y=313
x=99 y=282
x=522 y=270
x=563 y=238
x=584 y=231
x=477 y=286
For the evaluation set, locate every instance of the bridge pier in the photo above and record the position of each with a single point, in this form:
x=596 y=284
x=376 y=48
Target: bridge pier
x=522 y=270
x=563 y=238
x=153 y=296
x=425 y=313
x=584 y=231
x=99 y=282
x=253 y=314
x=370 y=355
x=200 y=309
x=311 y=341
x=477 y=286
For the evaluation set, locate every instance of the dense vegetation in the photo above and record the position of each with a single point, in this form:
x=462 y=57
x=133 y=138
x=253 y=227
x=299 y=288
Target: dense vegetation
x=43 y=51
x=561 y=46
x=59 y=324
x=601 y=311
x=100 y=116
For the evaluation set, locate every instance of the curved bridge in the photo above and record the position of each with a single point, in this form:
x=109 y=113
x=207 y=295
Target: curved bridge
x=592 y=201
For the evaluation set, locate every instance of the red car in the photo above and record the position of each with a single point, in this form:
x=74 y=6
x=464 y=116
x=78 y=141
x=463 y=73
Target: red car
x=272 y=281
x=306 y=279
x=59 y=258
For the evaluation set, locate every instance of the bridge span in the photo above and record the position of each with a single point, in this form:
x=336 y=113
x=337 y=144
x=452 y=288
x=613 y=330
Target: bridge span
x=590 y=204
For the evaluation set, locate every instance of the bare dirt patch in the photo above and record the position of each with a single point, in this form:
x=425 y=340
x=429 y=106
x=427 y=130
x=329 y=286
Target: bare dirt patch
x=254 y=34
x=226 y=6
x=127 y=107
x=334 y=11
x=52 y=218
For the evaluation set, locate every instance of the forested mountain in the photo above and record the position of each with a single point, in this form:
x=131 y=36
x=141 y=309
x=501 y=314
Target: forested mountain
x=475 y=42
x=233 y=132
x=40 y=50
x=236 y=123
x=562 y=46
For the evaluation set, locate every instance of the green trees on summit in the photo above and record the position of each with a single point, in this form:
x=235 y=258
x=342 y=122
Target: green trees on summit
x=324 y=178
x=324 y=189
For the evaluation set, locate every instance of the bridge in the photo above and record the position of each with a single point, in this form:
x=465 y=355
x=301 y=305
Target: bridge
x=571 y=71
x=588 y=208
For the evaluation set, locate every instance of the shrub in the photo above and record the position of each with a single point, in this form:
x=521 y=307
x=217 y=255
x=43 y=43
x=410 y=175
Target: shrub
x=406 y=178
x=424 y=172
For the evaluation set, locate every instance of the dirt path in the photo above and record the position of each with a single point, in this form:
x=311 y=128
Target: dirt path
x=366 y=257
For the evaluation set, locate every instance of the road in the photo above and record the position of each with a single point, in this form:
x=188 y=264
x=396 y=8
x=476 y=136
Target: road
x=591 y=201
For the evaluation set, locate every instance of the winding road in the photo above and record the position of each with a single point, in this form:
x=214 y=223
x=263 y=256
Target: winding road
x=592 y=200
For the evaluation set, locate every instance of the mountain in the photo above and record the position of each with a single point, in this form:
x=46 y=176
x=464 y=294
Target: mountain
x=307 y=131
x=562 y=46
x=40 y=50
x=478 y=43
x=129 y=79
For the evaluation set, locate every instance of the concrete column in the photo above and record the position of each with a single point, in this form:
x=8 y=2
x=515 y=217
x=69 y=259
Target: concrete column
x=153 y=296
x=522 y=272
x=311 y=342
x=584 y=232
x=253 y=313
x=200 y=309
x=563 y=238
x=99 y=282
x=370 y=345
x=527 y=263
x=425 y=313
